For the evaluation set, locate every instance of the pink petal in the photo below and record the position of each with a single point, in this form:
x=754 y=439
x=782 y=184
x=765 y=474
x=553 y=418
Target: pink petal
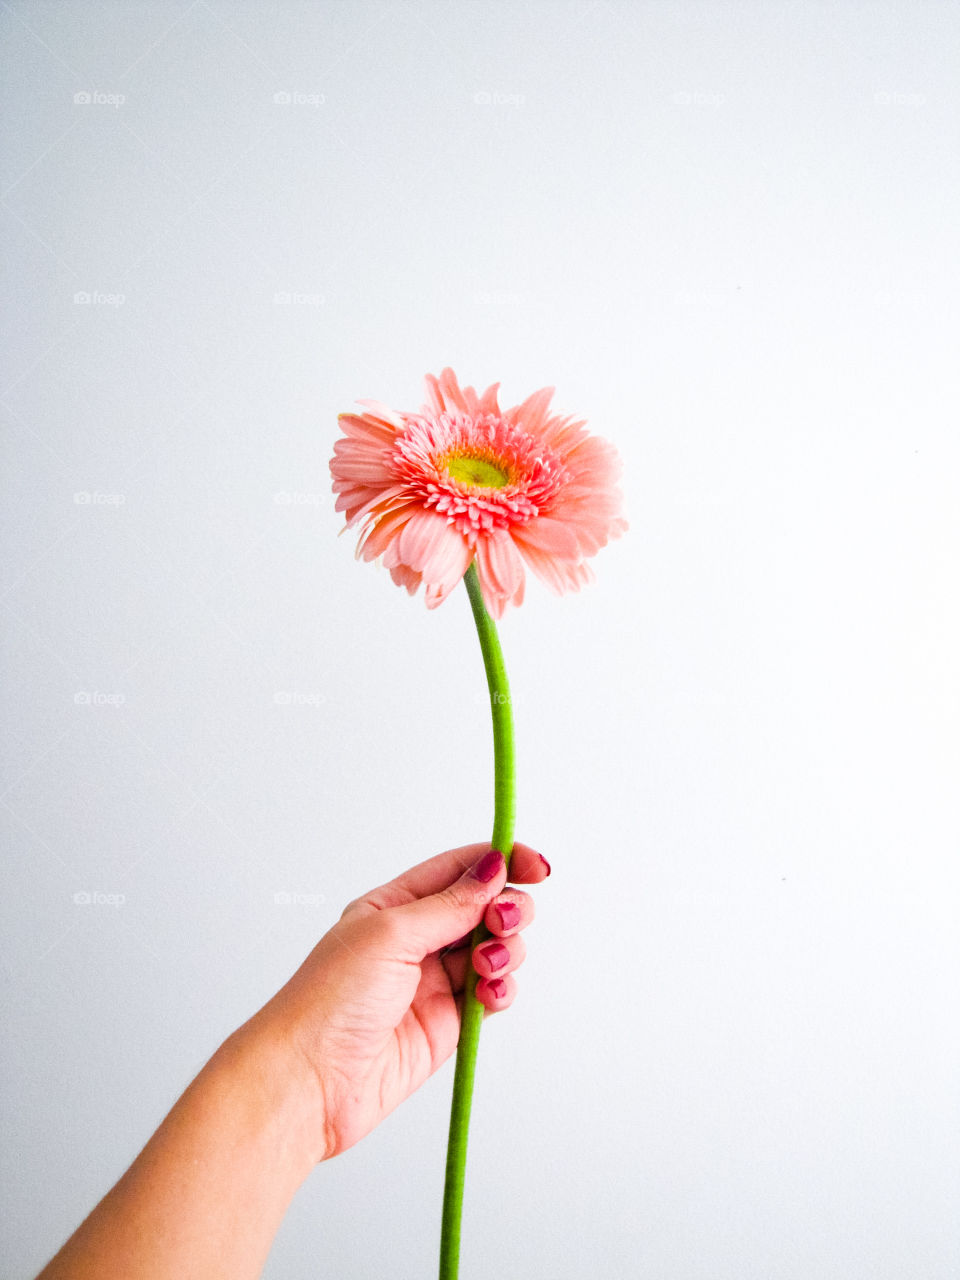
x=532 y=414
x=447 y=567
x=546 y=569
x=563 y=433
x=383 y=413
x=434 y=396
x=425 y=541
x=551 y=536
x=378 y=536
x=472 y=401
x=495 y=603
x=356 y=427
x=352 y=498
x=404 y=576
x=488 y=401
x=359 y=469
x=499 y=564
x=452 y=394
x=359 y=500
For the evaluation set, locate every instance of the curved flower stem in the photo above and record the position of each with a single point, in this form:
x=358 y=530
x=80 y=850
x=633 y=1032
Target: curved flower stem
x=472 y=1016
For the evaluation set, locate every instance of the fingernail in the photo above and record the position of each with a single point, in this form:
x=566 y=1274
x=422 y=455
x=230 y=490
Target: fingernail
x=488 y=866
x=495 y=954
x=509 y=914
x=497 y=988
x=544 y=861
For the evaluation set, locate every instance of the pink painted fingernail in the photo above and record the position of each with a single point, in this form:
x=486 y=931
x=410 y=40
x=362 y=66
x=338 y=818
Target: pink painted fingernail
x=495 y=954
x=544 y=861
x=488 y=866
x=509 y=914
x=497 y=987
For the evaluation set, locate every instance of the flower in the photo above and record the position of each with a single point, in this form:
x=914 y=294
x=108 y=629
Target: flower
x=463 y=480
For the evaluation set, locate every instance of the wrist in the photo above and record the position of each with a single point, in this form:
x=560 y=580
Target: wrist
x=283 y=1091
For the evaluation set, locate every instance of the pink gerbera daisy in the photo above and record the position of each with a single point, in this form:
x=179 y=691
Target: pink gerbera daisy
x=464 y=480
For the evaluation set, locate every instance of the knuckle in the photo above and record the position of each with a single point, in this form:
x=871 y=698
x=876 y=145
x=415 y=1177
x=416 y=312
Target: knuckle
x=459 y=895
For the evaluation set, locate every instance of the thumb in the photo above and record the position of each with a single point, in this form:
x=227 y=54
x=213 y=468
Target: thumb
x=440 y=918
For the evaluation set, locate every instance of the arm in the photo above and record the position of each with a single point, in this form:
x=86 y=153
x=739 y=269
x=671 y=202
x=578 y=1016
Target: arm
x=206 y=1195
x=371 y=1013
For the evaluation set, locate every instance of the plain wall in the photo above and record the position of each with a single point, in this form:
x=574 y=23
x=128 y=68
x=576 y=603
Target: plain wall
x=727 y=234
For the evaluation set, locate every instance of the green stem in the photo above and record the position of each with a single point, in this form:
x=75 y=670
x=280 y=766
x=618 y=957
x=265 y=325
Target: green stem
x=503 y=821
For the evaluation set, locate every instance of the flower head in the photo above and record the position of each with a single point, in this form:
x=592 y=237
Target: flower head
x=463 y=480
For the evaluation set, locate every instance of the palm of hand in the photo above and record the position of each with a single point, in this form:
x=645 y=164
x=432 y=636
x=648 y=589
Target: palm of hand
x=388 y=1026
x=374 y=1009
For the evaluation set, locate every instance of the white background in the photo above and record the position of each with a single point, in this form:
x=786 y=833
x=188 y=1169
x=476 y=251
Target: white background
x=727 y=235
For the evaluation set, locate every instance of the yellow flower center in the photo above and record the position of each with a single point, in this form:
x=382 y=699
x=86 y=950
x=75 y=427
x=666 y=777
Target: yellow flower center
x=475 y=471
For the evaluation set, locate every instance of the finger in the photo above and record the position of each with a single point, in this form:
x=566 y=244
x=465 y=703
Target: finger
x=509 y=912
x=425 y=878
x=527 y=866
x=496 y=993
x=499 y=956
x=457 y=943
x=435 y=921
x=455 y=964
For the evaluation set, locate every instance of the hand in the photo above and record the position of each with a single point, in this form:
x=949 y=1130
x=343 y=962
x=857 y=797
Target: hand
x=375 y=1008
x=372 y=1011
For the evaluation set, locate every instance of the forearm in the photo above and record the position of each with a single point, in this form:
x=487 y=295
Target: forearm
x=207 y=1194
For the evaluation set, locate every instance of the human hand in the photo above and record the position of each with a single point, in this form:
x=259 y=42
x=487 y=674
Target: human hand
x=372 y=1011
x=375 y=1008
